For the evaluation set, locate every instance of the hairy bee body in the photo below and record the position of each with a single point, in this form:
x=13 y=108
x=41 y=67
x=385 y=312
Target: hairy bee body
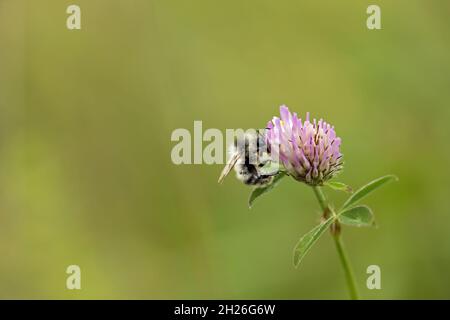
x=249 y=172
x=248 y=158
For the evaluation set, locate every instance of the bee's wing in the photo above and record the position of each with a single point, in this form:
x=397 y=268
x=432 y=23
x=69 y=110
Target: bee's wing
x=228 y=167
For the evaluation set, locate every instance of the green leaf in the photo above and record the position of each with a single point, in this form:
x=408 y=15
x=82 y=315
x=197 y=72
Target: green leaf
x=339 y=186
x=368 y=188
x=359 y=216
x=257 y=192
x=306 y=242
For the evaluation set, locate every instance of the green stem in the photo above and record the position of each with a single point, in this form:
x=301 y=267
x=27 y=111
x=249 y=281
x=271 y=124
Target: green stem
x=347 y=268
x=335 y=231
x=321 y=197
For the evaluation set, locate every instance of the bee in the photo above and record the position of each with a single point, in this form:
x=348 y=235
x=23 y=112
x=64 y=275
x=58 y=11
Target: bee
x=248 y=156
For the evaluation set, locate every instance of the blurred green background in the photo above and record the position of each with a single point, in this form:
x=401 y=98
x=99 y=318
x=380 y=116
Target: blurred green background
x=86 y=118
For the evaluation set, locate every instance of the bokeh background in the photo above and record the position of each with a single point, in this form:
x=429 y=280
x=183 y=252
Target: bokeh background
x=86 y=118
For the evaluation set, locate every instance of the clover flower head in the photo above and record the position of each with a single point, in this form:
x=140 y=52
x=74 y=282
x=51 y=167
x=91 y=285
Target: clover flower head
x=309 y=151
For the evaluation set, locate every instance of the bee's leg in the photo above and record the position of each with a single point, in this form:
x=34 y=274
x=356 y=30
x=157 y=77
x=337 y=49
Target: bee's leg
x=270 y=174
